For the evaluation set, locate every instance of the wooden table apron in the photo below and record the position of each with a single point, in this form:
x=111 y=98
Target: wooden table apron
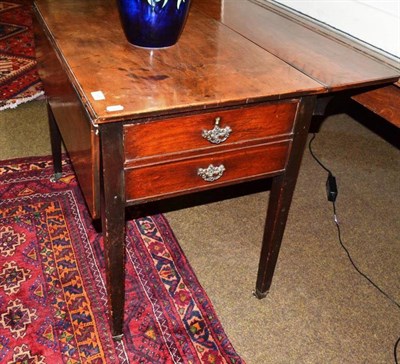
x=215 y=119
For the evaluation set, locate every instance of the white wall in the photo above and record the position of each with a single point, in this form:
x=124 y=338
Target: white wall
x=376 y=22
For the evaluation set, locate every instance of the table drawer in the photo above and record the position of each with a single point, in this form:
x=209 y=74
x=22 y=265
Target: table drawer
x=161 y=179
x=186 y=133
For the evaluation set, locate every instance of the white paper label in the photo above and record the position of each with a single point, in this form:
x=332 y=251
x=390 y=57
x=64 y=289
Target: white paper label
x=115 y=108
x=98 y=95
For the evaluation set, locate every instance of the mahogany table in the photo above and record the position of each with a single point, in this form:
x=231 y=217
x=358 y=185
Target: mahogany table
x=231 y=102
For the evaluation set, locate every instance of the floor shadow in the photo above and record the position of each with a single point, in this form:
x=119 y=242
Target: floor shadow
x=375 y=123
x=342 y=103
x=198 y=198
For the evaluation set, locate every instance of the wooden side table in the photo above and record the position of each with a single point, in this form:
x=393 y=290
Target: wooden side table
x=142 y=125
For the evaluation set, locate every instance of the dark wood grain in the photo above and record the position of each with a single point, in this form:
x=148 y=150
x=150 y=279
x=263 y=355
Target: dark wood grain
x=113 y=222
x=251 y=65
x=211 y=65
x=334 y=64
x=56 y=141
x=78 y=133
x=170 y=179
x=384 y=102
x=280 y=200
x=174 y=135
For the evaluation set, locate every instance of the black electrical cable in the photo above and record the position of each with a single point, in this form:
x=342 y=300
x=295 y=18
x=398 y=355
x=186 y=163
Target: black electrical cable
x=396 y=360
x=347 y=251
x=354 y=265
x=315 y=157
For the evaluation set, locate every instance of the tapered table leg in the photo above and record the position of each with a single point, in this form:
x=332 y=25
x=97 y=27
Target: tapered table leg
x=113 y=222
x=280 y=199
x=55 y=139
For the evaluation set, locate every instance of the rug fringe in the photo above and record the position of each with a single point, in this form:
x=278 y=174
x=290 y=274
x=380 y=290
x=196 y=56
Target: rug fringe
x=13 y=103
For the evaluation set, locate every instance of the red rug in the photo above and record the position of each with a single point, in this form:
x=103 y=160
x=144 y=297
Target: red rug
x=53 y=306
x=19 y=80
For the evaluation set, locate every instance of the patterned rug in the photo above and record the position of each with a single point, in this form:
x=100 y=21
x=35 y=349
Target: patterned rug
x=52 y=293
x=19 y=80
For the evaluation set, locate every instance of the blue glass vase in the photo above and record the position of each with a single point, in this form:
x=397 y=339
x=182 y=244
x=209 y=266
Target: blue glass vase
x=153 y=23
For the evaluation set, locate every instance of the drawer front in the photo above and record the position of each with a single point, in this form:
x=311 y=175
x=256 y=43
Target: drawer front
x=186 y=133
x=155 y=181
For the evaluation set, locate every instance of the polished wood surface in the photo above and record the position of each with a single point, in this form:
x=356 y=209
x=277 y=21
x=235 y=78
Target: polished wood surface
x=210 y=66
x=280 y=199
x=177 y=177
x=169 y=137
x=333 y=64
x=113 y=221
x=152 y=148
x=78 y=132
x=56 y=141
x=384 y=101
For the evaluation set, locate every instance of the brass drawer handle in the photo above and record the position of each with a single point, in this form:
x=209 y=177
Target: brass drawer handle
x=211 y=173
x=217 y=135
